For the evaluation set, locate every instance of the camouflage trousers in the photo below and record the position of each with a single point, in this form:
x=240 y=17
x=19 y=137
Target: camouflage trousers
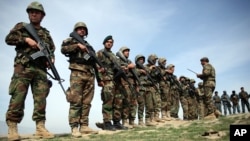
x=141 y=103
x=149 y=103
x=82 y=85
x=175 y=105
x=184 y=105
x=129 y=103
x=165 y=98
x=156 y=101
x=192 y=108
x=107 y=96
x=18 y=89
x=118 y=102
x=201 y=107
x=208 y=93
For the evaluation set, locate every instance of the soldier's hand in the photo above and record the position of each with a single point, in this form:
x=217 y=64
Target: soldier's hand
x=131 y=66
x=101 y=70
x=101 y=83
x=32 y=43
x=82 y=47
x=143 y=71
x=152 y=67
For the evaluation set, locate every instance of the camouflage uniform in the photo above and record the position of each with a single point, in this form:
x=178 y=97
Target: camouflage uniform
x=184 y=96
x=208 y=77
x=200 y=100
x=235 y=100
x=226 y=103
x=244 y=100
x=175 y=95
x=27 y=71
x=128 y=89
x=164 y=90
x=155 y=92
x=111 y=96
x=82 y=80
x=192 y=102
x=217 y=101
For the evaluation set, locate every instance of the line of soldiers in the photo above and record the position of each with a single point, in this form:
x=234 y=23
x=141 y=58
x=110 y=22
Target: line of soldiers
x=233 y=101
x=127 y=88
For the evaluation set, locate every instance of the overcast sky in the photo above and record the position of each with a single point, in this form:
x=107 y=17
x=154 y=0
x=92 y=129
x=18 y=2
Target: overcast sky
x=182 y=31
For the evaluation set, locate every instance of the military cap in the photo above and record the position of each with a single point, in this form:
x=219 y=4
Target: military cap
x=107 y=38
x=204 y=59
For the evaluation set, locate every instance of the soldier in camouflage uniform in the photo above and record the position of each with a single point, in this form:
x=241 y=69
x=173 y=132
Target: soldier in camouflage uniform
x=244 y=100
x=208 y=77
x=175 y=91
x=29 y=72
x=164 y=89
x=154 y=72
x=82 y=81
x=184 y=96
x=226 y=103
x=235 y=100
x=192 y=103
x=217 y=101
x=110 y=94
x=128 y=87
x=200 y=100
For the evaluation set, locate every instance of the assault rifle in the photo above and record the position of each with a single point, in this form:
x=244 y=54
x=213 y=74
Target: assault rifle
x=176 y=82
x=147 y=74
x=119 y=73
x=44 y=51
x=119 y=54
x=91 y=52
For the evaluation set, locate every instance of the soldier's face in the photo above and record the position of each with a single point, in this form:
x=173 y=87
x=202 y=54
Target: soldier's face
x=108 y=44
x=35 y=16
x=81 y=31
x=126 y=53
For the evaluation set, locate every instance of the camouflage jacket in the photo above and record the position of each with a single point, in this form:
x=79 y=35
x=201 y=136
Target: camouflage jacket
x=109 y=65
x=143 y=77
x=163 y=81
x=17 y=36
x=208 y=75
x=77 y=58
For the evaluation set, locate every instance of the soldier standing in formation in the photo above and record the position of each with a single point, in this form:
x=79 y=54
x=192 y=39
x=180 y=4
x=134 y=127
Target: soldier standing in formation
x=226 y=103
x=112 y=99
x=128 y=87
x=29 y=72
x=82 y=80
x=217 y=101
x=235 y=100
x=244 y=100
x=184 y=97
x=208 y=77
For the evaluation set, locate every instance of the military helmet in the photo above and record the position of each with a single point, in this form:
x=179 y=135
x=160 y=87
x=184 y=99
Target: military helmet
x=182 y=77
x=81 y=24
x=161 y=60
x=36 y=6
x=204 y=59
x=192 y=81
x=152 y=59
x=139 y=56
x=124 y=48
x=200 y=84
x=170 y=66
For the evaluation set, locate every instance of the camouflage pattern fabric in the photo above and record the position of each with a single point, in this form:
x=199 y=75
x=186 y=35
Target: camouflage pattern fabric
x=244 y=101
x=28 y=73
x=201 y=102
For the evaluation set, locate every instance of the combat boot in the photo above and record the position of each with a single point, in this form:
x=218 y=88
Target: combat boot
x=126 y=124
x=169 y=116
x=141 y=123
x=119 y=126
x=12 y=131
x=84 y=129
x=157 y=118
x=210 y=116
x=149 y=122
x=41 y=131
x=132 y=123
x=108 y=126
x=75 y=133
